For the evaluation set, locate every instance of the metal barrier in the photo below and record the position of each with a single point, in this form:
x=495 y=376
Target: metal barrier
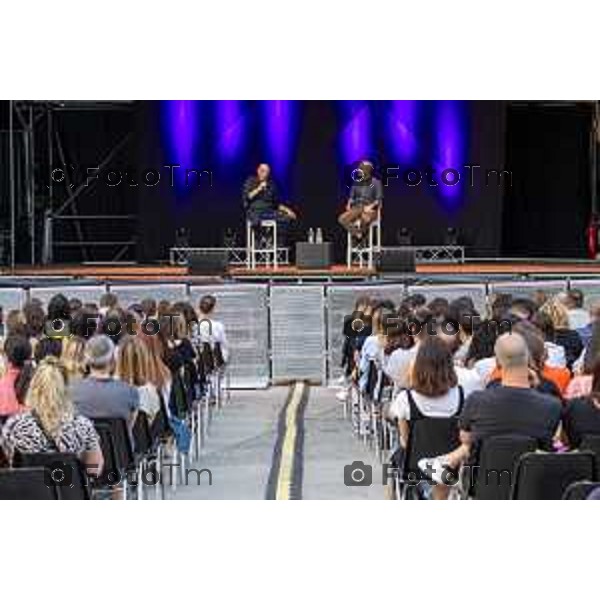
x=340 y=302
x=131 y=294
x=244 y=311
x=283 y=332
x=527 y=288
x=590 y=289
x=298 y=341
x=86 y=293
x=12 y=299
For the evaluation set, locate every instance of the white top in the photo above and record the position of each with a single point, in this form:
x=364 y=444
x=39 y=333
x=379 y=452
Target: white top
x=484 y=367
x=469 y=380
x=556 y=355
x=437 y=407
x=149 y=400
x=578 y=318
x=213 y=331
x=398 y=365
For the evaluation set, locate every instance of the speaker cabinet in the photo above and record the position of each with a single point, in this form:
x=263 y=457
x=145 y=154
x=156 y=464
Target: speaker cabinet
x=313 y=256
x=396 y=260
x=208 y=262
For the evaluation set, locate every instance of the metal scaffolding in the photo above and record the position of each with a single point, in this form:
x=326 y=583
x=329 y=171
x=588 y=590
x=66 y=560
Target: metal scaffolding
x=37 y=208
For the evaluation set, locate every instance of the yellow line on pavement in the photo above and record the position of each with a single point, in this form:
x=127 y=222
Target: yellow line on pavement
x=286 y=467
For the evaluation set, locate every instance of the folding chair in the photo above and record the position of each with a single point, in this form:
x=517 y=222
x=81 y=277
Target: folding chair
x=547 y=475
x=119 y=458
x=427 y=437
x=492 y=476
x=591 y=442
x=580 y=490
x=27 y=484
x=64 y=469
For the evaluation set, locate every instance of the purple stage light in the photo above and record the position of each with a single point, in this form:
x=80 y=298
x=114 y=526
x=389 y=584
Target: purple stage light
x=402 y=129
x=181 y=123
x=450 y=149
x=356 y=133
x=280 y=132
x=230 y=128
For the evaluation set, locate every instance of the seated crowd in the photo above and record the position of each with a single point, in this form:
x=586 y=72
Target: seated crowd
x=531 y=367
x=70 y=363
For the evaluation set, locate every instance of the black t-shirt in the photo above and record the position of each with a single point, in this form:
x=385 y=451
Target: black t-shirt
x=266 y=199
x=511 y=411
x=580 y=417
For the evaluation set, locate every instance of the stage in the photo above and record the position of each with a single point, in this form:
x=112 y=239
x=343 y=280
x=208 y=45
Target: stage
x=489 y=268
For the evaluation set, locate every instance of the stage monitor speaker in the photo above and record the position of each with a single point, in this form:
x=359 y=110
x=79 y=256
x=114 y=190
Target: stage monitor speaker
x=313 y=256
x=208 y=262
x=396 y=260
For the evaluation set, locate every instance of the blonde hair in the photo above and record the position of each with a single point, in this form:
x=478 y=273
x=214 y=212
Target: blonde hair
x=47 y=397
x=557 y=313
x=133 y=361
x=72 y=356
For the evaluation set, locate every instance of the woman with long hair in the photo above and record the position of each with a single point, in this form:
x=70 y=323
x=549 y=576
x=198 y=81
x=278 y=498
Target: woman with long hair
x=133 y=362
x=50 y=423
x=434 y=393
x=73 y=357
x=563 y=335
x=16 y=379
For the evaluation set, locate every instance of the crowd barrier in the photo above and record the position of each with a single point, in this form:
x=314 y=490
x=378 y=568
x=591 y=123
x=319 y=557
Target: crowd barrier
x=283 y=332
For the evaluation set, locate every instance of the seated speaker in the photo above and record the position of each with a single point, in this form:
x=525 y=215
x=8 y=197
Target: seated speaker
x=396 y=260
x=208 y=262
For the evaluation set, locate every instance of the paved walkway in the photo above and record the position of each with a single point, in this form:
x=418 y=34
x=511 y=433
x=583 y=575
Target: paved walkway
x=283 y=443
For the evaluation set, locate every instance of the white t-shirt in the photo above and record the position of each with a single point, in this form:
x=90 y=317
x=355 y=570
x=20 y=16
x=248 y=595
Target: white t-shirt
x=469 y=380
x=397 y=366
x=437 y=407
x=213 y=331
x=484 y=367
x=149 y=400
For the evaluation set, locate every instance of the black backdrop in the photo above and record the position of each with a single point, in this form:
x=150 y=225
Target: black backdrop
x=548 y=208
x=315 y=185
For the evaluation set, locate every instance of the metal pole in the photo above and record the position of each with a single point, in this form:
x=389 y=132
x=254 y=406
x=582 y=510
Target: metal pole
x=11 y=176
x=594 y=157
x=32 y=184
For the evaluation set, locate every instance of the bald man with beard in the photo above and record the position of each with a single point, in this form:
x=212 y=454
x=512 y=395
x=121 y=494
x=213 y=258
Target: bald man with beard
x=513 y=408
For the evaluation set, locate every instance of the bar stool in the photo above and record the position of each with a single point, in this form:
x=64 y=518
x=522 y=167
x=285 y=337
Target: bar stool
x=261 y=245
x=365 y=248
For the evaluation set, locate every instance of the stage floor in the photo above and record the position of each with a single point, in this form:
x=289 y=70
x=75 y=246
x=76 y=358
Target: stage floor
x=165 y=272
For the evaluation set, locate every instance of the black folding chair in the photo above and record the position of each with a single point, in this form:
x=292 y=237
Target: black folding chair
x=546 y=475
x=119 y=458
x=591 y=442
x=493 y=473
x=580 y=490
x=64 y=469
x=27 y=484
x=427 y=437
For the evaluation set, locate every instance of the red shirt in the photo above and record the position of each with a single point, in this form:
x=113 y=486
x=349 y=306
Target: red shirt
x=9 y=405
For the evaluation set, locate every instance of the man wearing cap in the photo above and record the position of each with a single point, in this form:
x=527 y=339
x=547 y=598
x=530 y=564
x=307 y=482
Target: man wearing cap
x=100 y=395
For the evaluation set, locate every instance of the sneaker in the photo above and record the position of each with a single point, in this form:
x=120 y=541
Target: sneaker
x=438 y=471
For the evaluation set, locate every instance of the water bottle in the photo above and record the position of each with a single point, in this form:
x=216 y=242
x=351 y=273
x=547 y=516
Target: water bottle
x=319 y=238
x=311 y=236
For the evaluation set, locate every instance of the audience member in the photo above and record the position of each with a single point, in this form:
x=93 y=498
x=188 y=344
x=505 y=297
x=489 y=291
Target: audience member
x=15 y=381
x=100 y=395
x=50 y=423
x=563 y=335
x=510 y=409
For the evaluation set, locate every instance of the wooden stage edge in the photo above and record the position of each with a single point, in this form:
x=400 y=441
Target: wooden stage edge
x=164 y=272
